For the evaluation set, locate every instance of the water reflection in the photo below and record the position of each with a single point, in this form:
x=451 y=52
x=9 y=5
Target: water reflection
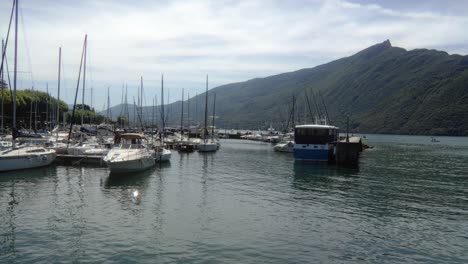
x=313 y=176
x=136 y=179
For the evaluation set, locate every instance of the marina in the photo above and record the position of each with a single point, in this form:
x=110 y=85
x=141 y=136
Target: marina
x=244 y=203
x=233 y=132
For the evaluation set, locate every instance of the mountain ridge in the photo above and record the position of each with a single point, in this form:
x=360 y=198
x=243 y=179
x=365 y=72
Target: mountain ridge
x=383 y=89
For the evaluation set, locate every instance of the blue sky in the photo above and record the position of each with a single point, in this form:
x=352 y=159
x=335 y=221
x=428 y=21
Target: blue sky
x=232 y=41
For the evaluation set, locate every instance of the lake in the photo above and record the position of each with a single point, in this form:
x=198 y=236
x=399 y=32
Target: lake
x=407 y=202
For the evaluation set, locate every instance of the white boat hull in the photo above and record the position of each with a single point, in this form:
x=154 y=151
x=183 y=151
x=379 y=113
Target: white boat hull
x=20 y=162
x=128 y=166
x=164 y=156
x=207 y=147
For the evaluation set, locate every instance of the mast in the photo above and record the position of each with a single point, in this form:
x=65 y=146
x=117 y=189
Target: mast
x=2 y=83
x=126 y=105
x=205 y=132
x=76 y=93
x=162 y=110
x=31 y=112
x=47 y=107
x=141 y=101
x=188 y=115
x=293 y=112
x=35 y=116
x=212 y=128
x=108 y=105
x=84 y=78
x=58 y=88
x=15 y=73
x=152 y=120
x=182 y=115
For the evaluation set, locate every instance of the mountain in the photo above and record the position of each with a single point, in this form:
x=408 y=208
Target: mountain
x=383 y=89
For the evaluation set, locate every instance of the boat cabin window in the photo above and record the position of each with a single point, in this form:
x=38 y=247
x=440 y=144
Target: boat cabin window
x=314 y=135
x=35 y=150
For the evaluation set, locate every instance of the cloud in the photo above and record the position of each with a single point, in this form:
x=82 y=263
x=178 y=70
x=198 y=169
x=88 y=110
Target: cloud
x=230 y=40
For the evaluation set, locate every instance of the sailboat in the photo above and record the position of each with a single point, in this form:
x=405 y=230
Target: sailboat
x=161 y=153
x=208 y=145
x=22 y=156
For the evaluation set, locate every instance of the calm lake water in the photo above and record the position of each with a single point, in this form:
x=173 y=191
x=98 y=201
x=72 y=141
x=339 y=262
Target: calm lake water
x=406 y=203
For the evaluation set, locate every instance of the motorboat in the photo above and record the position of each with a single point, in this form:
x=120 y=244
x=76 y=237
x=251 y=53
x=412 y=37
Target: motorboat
x=129 y=154
x=284 y=147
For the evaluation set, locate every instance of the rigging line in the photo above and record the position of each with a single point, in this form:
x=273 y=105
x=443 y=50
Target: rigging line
x=308 y=104
x=28 y=55
x=7 y=37
x=8 y=74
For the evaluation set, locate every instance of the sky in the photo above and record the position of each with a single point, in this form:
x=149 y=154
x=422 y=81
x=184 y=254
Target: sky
x=231 y=41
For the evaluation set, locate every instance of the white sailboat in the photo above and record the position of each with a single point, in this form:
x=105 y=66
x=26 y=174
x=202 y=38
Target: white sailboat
x=22 y=156
x=129 y=155
x=208 y=145
x=161 y=153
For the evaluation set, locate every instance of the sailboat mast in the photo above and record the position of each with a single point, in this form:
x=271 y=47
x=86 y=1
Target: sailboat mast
x=31 y=112
x=58 y=88
x=205 y=132
x=108 y=106
x=182 y=115
x=141 y=101
x=76 y=95
x=2 y=83
x=162 y=109
x=84 y=79
x=15 y=72
x=47 y=106
x=214 y=105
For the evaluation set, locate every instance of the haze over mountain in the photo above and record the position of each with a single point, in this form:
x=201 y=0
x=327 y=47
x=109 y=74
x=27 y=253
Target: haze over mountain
x=383 y=89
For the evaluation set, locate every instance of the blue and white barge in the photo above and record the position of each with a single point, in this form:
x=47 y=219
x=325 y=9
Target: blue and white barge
x=315 y=142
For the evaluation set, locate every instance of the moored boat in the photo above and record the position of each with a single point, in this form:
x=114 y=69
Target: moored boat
x=129 y=154
x=314 y=142
x=25 y=157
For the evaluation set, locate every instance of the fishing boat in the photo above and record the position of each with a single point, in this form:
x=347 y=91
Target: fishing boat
x=129 y=154
x=314 y=142
x=25 y=156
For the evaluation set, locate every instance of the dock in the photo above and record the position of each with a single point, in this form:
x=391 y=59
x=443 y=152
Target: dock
x=347 y=151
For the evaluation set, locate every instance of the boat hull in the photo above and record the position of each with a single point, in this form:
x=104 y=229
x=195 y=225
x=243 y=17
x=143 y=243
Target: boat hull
x=128 y=166
x=207 y=147
x=312 y=152
x=12 y=163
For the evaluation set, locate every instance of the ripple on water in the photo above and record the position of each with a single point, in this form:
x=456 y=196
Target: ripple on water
x=246 y=204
